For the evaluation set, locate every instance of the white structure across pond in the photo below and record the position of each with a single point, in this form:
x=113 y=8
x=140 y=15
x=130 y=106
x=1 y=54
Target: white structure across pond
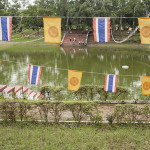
x=18 y=92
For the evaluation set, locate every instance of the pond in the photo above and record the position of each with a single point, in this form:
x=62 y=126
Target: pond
x=95 y=61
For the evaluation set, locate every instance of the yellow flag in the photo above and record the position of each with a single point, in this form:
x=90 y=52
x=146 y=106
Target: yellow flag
x=52 y=29
x=144 y=25
x=74 y=80
x=146 y=85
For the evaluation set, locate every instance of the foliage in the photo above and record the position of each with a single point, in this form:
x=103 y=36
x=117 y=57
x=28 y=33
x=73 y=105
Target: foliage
x=131 y=113
x=52 y=92
x=71 y=8
x=86 y=92
x=8 y=110
x=52 y=111
x=23 y=107
x=110 y=118
x=47 y=110
x=95 y=92
x=57 y=109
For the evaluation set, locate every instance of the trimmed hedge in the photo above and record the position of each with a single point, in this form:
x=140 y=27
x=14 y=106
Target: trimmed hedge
x=131 y=113
x=47 y=111
x=52 y=111
x=85 y=92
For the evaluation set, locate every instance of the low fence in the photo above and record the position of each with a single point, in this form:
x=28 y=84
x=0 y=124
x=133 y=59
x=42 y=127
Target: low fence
x=96 y=112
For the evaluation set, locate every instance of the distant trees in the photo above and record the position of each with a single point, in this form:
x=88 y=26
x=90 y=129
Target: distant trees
x=71 y=9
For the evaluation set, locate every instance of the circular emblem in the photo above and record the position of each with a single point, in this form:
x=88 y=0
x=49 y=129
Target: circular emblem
x=145 y=31
x=74 y=81
x=146 y=85
x=53 y=31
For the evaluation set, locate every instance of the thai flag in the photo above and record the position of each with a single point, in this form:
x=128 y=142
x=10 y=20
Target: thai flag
x=5 y=28
x=101 y=29
x=110 y=83
x=34 y=74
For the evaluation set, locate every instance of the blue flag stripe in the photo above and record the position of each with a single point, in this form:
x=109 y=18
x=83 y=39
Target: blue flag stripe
x=101 y=27
x=110 y=83
x=4 y=29
x=34 y=74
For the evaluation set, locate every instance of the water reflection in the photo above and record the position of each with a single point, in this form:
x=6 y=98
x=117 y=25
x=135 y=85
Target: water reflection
x=86 y=59
x=74 y=50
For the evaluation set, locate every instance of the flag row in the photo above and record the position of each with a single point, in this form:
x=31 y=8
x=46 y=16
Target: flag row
x=52 y=29
x=74 y=80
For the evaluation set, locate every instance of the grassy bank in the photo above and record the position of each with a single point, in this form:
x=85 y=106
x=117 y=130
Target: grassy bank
x=65 y=137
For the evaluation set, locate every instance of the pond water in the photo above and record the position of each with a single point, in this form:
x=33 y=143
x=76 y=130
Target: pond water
x=94 y=61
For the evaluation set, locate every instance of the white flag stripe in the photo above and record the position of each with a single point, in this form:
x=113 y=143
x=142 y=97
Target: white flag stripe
x=0 y=30
x=97 y=33
x=37 y=77
x=31 y=73
x=8 y=28
x=106 y=29
x=114 y=79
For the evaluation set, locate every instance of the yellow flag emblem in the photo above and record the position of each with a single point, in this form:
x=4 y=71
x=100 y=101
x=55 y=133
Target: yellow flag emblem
x=52 y=29
x=74 y=80
x=146 y=85
x=144 y=25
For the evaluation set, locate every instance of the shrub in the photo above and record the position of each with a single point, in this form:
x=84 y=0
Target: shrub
x=9 y=110
x=23 y=108
x=131 y=113
x=52 y=92
x=95 y=92
x=82 y=110
x=85 y=92
x=57 y=109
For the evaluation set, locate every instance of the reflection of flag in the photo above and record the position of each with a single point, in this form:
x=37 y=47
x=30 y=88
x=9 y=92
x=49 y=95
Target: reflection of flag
x=101 y=29
x=144 y=25
x=52 y=29
x=110 y=83
x=34 y=74
x=5 y=28
x=74 y=80
x=146 y=85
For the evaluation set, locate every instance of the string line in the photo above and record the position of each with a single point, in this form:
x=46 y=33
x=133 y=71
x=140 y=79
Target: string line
x=70 y=17
x=68 y=69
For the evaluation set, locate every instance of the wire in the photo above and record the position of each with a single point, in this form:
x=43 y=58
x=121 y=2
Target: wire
x=70 y=17
x=68 y=69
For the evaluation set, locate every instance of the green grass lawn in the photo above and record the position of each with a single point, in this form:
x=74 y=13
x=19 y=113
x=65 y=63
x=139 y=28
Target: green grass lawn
x=21 y=136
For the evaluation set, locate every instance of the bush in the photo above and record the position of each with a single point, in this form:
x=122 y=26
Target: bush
x=52 y=92
x=131 y=113
x=86 y=92
x=8 y=110
x=95 y=92
x=47 y=110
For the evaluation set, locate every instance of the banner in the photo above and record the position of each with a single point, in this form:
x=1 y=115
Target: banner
x=101 y=29
x=34 y=74
x=146 y=85
x=144 y=26
x=74 y=80
x=110 y=83
x=5 y=28
x=52 y=29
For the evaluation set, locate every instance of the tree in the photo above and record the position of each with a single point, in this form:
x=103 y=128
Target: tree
x=24 y=3
x=147 y=6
